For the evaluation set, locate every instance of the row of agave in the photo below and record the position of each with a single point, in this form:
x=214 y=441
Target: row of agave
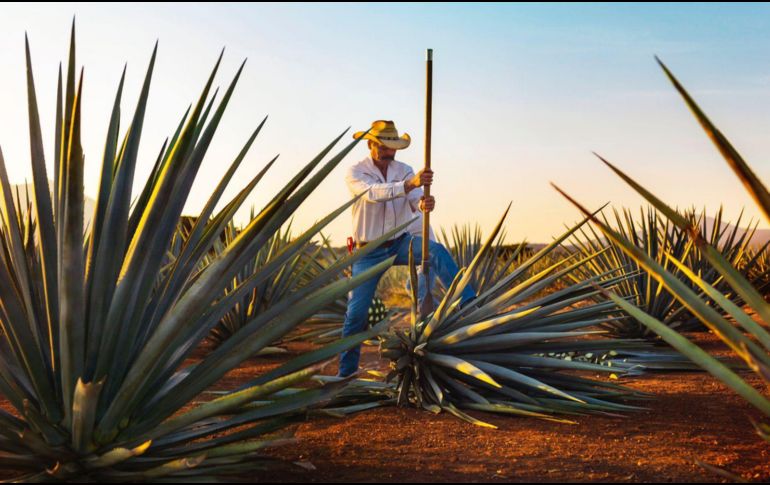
x=550 y=347
x=97 y=372
x=741 y=322
x=652 y=233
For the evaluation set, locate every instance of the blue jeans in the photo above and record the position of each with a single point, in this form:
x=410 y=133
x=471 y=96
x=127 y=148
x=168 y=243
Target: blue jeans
x=360 y=298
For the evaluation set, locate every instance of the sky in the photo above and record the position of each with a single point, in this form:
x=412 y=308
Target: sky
x=523 y=94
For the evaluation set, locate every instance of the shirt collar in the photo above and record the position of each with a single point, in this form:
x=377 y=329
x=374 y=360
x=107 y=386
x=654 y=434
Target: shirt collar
x=376 y=171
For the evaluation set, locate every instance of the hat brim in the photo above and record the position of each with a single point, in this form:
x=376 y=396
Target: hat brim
x=404 y=141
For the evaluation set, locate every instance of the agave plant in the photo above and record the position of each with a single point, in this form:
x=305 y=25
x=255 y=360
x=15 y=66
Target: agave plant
x=492 y=354
x=269 y=292
x=501 y=258
x=759 y=268
x=98 y=326
x=732 y=242
x=658 y=237
x=748 y=339
x=310 y=261
x=655 y=237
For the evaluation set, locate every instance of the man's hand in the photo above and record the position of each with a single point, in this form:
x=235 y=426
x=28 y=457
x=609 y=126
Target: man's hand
x=427 y=205
x=423 y=177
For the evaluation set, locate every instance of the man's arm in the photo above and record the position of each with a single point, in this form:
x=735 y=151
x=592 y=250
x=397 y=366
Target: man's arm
x=359 y=181
x=414 y=195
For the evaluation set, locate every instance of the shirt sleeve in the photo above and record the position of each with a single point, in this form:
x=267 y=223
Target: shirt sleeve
x=359 y=181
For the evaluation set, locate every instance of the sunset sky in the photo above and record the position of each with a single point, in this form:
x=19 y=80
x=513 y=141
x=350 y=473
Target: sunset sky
x=522 y=95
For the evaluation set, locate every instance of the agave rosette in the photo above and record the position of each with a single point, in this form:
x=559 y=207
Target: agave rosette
x=653 y=235
x=659 y=238
x=492 y=354
x=759 y=268
x=286 y=279
x=98 y=326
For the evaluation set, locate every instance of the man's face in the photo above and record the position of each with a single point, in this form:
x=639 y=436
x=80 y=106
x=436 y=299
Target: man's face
x=382 y=153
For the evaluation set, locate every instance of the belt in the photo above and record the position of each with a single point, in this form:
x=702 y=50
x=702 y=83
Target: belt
x=386 y=244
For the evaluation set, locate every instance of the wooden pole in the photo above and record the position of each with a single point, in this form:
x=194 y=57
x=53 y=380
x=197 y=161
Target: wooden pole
x=427 y=304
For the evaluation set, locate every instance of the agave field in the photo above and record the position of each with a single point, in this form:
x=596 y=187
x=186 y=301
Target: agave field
x=152 y=345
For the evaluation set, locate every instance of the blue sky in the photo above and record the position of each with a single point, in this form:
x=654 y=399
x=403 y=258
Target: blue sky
x=522 y=95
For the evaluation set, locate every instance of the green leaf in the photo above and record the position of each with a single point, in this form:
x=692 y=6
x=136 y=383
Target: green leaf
x=462 y=366
x=699 y=356
x=753 y=185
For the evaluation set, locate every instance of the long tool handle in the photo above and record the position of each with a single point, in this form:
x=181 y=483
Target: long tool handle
x=427 y=305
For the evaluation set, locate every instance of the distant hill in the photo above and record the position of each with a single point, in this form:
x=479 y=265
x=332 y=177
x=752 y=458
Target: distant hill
x=760 y=236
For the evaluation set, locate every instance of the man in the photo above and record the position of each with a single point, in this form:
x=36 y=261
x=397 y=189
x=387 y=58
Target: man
x=392 y=196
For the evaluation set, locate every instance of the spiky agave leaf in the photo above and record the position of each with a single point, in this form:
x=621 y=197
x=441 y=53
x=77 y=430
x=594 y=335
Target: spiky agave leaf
x=97 y=328
x=759 y=268
x=367 y=392
x=740 y=344
x=733 y=244
x=499 y=260
x=747 y=338
x=310 y=261
x=265 y=294
x=658 y=237
x=491 y=354
x=325 y=325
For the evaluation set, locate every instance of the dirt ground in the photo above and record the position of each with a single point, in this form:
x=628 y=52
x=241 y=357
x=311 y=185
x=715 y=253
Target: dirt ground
x=692 y=417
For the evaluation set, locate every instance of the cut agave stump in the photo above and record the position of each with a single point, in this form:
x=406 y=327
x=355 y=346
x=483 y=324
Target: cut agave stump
x=97 y=326
x=492 y=354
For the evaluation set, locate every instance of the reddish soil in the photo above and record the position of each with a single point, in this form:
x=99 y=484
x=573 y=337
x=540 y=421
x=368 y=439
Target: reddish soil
x=692 y=417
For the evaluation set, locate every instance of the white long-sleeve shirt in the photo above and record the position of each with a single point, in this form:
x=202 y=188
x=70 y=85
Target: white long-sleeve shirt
x=385 y=203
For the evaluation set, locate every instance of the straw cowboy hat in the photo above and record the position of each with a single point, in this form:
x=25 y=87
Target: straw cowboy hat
x=385 y=133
